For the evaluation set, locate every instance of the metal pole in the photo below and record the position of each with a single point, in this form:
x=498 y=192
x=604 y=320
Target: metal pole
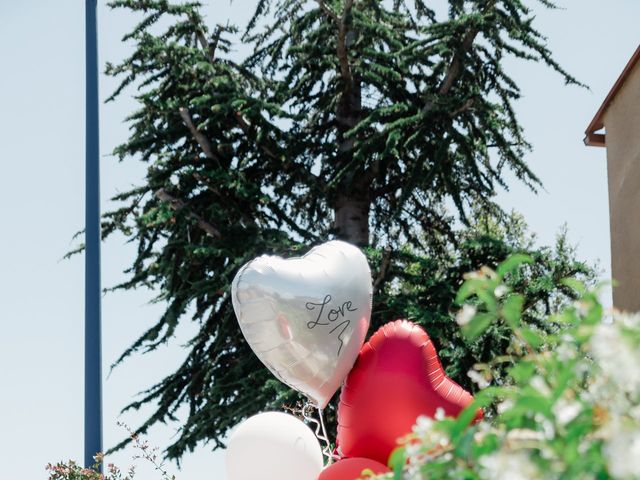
x=92 y=341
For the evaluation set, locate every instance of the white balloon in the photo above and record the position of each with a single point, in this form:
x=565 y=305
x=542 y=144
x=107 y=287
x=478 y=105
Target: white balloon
x=306 y=318
x=273 y=446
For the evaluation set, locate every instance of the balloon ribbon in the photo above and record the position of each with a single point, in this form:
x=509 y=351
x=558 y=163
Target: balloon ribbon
x=320 y=430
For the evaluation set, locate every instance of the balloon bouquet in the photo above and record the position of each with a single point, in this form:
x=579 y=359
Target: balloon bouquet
x=306 y=319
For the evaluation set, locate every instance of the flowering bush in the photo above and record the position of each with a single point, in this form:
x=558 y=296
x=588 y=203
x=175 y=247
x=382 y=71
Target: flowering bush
x=568 y=408
x=72 y=471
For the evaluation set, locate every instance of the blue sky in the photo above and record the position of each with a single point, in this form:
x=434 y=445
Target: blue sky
x=42 y=194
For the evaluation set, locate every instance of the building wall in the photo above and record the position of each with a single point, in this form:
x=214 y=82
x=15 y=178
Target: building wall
x=622 y=127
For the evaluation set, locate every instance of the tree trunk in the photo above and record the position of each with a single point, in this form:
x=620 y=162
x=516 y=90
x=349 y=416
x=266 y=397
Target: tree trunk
x=351 y=202
x=352 y=219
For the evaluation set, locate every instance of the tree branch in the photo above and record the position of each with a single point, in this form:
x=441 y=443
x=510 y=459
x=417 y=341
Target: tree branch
x=177 y=205
x=330 y=13
x=246 y=128
x=198 y=136
x=209 y=51
x=463 y=108
x=282 y=215
x=455 y=67
x=218 y=193
x=207 y=46
x=341 y=44
x=384 y=267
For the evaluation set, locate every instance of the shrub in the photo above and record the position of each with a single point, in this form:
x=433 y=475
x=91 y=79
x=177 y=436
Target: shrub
x=72 y=471
x=569 y=406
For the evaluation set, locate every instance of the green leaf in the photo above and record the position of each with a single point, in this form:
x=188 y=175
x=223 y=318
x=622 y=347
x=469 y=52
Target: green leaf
x=523 y=371
x=534 y=404
x=532 y=337
x=566 y=373
x=488 y=298
x=477 y=325
x=469 y=287
x=397 y=461
x=512 y=310
x=574 y=284
x=487 y=396
x=463 y=421
x=464 y=444
x=490 y=443
x=512 y=263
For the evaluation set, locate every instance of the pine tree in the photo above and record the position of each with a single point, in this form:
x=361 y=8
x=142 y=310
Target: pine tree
x=383 y=123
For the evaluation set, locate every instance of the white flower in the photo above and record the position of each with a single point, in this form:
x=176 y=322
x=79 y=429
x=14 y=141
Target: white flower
x=540 y=385
x=524 y=435
x=412 y=473
x=507 y=465
x=566 y=411
x=477 y=378
x=429 y=437
x=500 y=290
x=634 y=413
x=473 y=275
x=488 y=272
x=423 y=425
x=629 y=320
x=618 y=361
x=504 y=406
x=412 y=450
x=623 y=453
x=566 y=352
x=547 y=428
x=482 y=429
x=582 y=307
x=465 y=314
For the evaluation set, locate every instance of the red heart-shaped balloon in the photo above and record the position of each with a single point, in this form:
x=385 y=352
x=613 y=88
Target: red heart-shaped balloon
x=351 y=469
x=396 y=378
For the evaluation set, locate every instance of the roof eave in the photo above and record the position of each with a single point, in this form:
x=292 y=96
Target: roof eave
x=592 y=138
x=595 y=139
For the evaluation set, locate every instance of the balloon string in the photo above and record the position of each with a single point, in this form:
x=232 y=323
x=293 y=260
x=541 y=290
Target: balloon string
x=320 y=430
x=329 y=454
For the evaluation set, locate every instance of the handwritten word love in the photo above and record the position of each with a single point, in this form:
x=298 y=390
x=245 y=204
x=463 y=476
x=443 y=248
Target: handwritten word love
x=327 y=316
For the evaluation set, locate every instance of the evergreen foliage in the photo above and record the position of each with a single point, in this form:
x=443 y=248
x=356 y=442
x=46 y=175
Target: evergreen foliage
x=356 y=119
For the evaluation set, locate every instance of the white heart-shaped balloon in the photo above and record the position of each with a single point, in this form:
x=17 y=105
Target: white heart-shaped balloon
x=306 y=317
